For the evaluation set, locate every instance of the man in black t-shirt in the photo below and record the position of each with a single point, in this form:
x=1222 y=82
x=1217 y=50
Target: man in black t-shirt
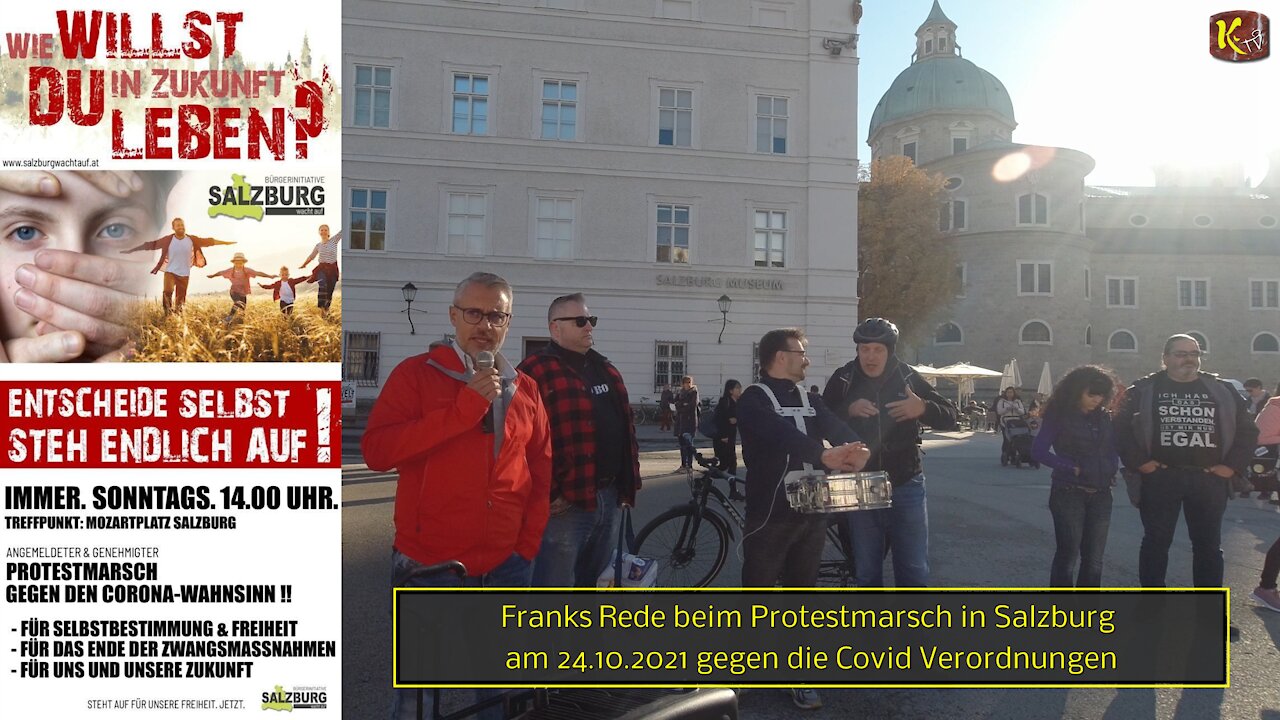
x=1187 y=433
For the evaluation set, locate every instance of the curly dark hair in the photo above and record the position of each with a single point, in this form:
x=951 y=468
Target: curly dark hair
x=1093 y=379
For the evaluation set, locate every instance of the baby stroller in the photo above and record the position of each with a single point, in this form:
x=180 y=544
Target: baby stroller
x=1016 y=448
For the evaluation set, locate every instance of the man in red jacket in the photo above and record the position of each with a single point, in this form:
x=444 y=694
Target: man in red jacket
x=473 y=452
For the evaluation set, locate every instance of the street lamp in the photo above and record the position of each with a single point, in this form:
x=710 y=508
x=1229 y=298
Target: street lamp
x=724 y=301
x=409 y=291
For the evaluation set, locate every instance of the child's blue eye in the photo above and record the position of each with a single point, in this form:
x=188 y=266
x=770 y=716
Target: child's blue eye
x=115 y=231
x=26 y=234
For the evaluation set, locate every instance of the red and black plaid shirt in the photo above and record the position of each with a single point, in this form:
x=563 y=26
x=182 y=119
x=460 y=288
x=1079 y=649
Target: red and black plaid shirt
x=573 y=440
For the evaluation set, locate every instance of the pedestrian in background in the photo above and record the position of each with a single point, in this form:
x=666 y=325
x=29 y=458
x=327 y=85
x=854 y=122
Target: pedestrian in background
x=686 y=418
x=666 y=407
x=726 y=417
x=1269 y=434
x=1078 y=442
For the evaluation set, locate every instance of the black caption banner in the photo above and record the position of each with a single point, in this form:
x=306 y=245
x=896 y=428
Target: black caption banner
x=924 y=638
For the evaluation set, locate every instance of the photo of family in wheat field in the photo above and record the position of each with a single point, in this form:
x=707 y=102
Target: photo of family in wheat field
x=102 y=266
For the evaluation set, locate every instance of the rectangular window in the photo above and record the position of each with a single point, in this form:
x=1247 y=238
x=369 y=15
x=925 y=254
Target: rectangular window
x=669 y=364
x=951 y=216
x=1264 y=294
x=373 y=96
x=1087 y=291
x=1122 y=292
x=470 y=104
x=1193 y=293
x=559 y=110
x=554 y=229
x=755 y=361
x=676 y=9
x=360 y=359
x=466 y=224
x=1033 y=209
x=962 y=279
x=771 y=124
x=909 y=149
x=1035 y=278
x=959 y=145
x=675 y=117
x=367 y=225
x=771 y=238
x=673 y=233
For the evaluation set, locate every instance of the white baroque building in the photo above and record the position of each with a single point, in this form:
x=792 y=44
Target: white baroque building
x=1054 y=270
x=653 y=154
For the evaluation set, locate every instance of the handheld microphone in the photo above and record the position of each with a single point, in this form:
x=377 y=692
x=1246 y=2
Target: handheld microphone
x=484 y=361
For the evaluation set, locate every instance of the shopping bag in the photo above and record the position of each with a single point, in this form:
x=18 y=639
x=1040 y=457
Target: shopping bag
x=626 y=569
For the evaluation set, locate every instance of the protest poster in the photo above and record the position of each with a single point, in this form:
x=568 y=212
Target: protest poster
x=169 y=185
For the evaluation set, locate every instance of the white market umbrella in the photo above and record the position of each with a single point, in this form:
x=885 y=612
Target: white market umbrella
x=928 y=372
x=963 y=375
x=1045 y=387
x=1011 y=376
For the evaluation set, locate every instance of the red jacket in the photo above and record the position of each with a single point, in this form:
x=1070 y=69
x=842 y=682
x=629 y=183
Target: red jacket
x=454 y=501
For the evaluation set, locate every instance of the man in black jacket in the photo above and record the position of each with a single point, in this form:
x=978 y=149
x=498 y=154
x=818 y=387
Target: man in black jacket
x=779 y=544
x=885 y=401
x=1186 y=433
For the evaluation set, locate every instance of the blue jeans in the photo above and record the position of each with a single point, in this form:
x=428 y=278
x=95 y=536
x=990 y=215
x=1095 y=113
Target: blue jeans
x=513 y=572
x=902 y=529
x=578 y=544
x=1201 y=497
x=1081 y=520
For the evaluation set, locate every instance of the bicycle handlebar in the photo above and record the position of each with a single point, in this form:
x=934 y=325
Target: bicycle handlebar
x=712 y=466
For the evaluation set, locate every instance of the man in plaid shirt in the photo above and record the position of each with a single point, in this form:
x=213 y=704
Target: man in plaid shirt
x=595 y=457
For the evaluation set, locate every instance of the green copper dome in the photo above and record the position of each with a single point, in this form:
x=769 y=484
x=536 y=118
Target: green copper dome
x=942 y=83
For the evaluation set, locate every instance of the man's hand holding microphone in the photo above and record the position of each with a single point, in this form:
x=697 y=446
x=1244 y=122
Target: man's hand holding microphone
x=486 y=382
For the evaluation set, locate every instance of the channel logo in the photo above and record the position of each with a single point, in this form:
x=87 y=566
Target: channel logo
x=1239 y=36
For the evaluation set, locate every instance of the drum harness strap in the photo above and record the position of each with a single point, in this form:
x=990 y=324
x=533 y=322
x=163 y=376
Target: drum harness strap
x=797 y=415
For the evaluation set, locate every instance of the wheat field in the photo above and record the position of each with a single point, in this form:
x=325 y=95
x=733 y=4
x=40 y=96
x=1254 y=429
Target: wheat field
x=262 y=334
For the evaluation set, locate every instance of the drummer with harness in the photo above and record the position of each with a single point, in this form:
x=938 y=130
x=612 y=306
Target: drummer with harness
x=886 y=402
x=783 y=429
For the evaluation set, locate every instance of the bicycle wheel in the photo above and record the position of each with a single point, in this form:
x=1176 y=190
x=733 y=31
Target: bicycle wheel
x=687 y=557
x=637 y=414
x=836 y=568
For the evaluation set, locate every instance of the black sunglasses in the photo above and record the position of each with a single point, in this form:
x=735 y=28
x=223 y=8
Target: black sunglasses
x=580 y=320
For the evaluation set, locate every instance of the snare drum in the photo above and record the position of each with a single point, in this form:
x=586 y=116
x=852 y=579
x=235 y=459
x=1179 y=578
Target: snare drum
x=819 y=493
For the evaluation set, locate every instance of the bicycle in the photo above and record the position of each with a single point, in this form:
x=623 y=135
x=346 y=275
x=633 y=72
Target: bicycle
x=691 y=555
x=645 y=411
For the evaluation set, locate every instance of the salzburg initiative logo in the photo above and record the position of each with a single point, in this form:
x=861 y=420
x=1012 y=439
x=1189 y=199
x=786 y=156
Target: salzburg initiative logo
x=297 y=698
x=1239 y=36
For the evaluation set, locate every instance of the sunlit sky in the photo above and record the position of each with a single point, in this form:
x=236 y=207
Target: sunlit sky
x=1129 y=82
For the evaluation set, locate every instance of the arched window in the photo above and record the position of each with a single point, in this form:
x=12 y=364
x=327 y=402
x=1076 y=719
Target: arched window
x=1033 y=209
x=1035 y=332
x=1122 y=341
x=1088 y=334
x=1265 y=342
x=1202 y=340
x=948 y=334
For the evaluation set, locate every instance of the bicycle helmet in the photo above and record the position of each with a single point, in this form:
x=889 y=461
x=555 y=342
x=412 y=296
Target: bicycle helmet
x=876 y=330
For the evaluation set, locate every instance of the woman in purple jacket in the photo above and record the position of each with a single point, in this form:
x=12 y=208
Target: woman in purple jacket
x=1078 y=442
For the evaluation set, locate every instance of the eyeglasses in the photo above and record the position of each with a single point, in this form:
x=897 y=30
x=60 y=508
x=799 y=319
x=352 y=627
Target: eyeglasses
x=1184 y=354
x=473 y=316
x=802 y=353
x=580 y=320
